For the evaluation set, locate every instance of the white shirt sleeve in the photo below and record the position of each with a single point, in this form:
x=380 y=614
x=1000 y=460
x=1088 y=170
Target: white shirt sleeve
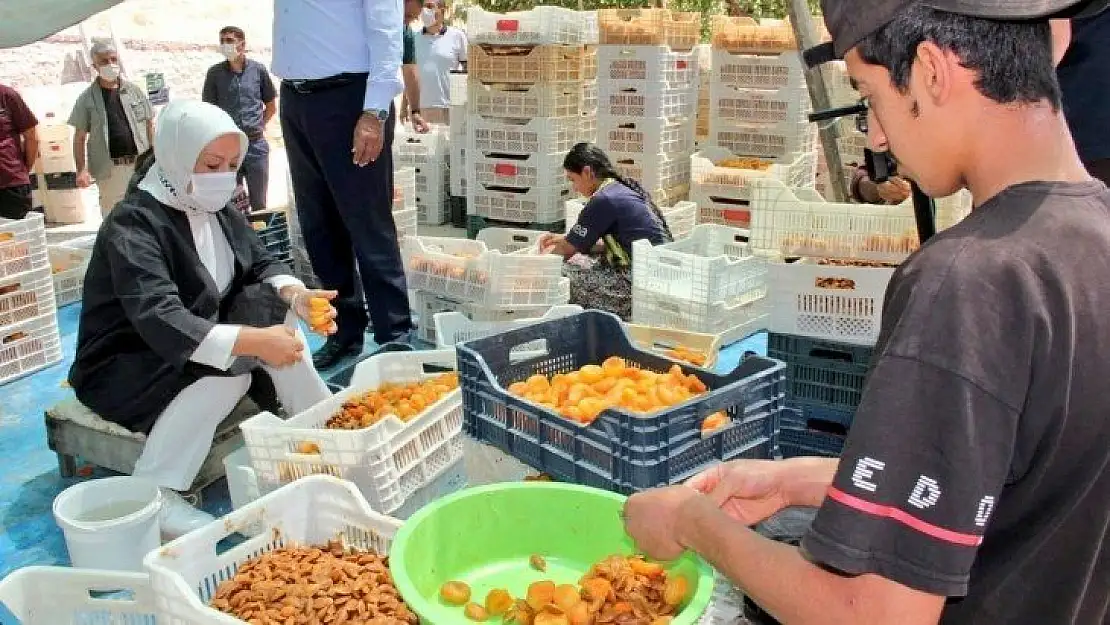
x=215 y=350
x=384 y=38
x=280 y=282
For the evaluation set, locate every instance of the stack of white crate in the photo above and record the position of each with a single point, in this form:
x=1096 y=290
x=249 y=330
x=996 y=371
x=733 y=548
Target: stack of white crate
x=851 y=141
x=457 y=135
x=758 y=119
x=705 y=67
x=427 y=154
x=29 y=339
x=648 y=96
x=530 y=74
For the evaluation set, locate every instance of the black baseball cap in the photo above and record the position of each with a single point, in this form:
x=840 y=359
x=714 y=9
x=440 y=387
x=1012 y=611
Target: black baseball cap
x=851 y=21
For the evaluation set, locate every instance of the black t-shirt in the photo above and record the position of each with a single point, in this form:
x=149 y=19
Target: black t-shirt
x=1084 y=75
x=121 y=143
x=620 y=213
x=978 y=466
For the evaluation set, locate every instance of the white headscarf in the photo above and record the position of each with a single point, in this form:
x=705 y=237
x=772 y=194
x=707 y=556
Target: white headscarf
x=185 y=127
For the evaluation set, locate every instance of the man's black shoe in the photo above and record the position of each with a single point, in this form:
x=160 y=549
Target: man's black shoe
x=335 y=351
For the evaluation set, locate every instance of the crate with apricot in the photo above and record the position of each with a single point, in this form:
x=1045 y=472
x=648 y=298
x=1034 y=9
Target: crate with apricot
x=595 y=408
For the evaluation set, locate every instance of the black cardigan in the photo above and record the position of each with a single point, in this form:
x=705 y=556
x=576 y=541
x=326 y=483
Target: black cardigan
x=149 y=302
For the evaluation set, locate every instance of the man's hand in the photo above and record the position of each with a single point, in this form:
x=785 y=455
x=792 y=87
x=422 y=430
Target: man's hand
x=895 y=190
x=367 y=140
x=749 y=491
x=84 y=180
x=653 y=519
x=277 y=346
x=404 y=116
x=320 y=319
x=419 y=125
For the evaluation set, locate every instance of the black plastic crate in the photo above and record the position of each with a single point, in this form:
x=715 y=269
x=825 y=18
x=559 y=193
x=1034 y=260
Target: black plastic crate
x=794 y=442
x=458 y=211
x=619 y=451
x=476 y=224
x=820 y=374
x=274 y=234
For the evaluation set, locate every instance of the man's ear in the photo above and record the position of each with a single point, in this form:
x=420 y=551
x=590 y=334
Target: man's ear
x=1061 y=39
x=934 y=69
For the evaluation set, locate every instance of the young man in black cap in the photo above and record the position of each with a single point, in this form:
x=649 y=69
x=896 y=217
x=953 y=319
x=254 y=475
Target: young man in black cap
x=975 y=485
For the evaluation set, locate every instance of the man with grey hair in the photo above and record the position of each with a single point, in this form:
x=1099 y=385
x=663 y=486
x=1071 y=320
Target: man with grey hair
x=114 y=124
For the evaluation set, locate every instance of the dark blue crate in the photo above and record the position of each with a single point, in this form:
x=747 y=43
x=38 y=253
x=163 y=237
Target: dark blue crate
x=820 y=373
x=801 y=413
x=795 y=442
x=620 y=451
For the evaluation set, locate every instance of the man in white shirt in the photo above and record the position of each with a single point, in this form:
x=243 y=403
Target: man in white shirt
x=340 y=61
x=440 y=50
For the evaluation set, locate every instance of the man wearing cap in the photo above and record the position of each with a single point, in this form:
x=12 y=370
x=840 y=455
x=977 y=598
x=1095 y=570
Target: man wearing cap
x=975 y=484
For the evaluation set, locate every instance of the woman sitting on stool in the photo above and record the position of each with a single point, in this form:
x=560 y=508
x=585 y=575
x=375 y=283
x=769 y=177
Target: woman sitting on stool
x=182 y=303
x=618 y=212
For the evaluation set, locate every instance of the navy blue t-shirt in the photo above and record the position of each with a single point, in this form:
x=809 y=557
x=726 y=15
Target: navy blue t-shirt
x=1084 y=76
x=618 y=212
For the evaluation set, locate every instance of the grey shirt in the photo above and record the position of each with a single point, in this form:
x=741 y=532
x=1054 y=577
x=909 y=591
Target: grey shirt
x=91 y=116
x=243 y=95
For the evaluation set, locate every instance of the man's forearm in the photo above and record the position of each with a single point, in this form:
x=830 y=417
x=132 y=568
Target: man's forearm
x=412 y=87
x=79 y=152
x=807 y=480
x=30 y=151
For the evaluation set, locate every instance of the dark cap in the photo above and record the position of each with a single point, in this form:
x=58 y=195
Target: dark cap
x=851 y=21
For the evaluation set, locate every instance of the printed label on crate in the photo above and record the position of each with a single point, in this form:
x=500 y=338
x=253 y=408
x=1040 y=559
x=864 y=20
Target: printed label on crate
x=61 y=181
x=508 y=26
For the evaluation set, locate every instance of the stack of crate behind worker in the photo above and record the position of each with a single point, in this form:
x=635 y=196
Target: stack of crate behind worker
x=532 y=93
x=428 y=154
x=29 y=339
x=457 y=150
x=758 y=119
x=648 y=96
x=851 y=141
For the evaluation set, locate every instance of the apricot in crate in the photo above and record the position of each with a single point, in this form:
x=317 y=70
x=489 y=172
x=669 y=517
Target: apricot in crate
x=404 y=401
x=455 y=593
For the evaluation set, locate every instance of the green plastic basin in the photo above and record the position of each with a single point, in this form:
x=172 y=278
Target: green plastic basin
x=484 y=536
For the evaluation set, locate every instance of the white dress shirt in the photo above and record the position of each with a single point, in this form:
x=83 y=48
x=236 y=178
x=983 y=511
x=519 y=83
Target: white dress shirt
x=320 y=38
x=218 y=258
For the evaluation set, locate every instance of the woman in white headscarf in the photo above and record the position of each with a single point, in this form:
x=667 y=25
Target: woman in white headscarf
x=183 y=306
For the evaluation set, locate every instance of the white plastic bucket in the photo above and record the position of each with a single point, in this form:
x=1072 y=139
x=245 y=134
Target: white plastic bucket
x=109 y=523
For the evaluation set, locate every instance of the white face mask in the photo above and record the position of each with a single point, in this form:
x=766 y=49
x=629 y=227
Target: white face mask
x=229 y=50
x=211 y=192
x=108 y=72
x=428 y=16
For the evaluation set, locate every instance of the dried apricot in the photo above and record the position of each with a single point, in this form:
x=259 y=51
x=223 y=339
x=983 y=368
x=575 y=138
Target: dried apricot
x=455 y=593
x=643 y=567
x=498 y=601
x=475 y=612
x=674 y=591
x=306 y=447
x=597 y=588
x=550 y=618
x=540 y=594
x=662 y=620
x=566 y=597
x=579 y=613
x=536 y=561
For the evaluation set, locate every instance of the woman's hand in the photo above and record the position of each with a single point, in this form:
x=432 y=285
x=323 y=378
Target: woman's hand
x=315 y=309
x=277 y=346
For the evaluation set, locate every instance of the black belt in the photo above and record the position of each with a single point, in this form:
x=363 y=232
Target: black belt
x=124 y=160
x=317 y=85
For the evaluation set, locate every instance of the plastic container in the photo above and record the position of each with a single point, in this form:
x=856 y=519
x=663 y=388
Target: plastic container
x=619 y=451
x=729 y=321
x=413 y=149
x=663 y=340
x=429 y=305
x=454 y=327
x=26 y=296
x=404 y=188
x=273 y=231
x=540 y=135
x=406 y=222
x=654 y=171
x=55 y=595
x=747 y=36
x=458 y=167
x=729 y=105
x=712 y=178
x=68 y=268
x=388 y=461
x=653 y=27
x=794 y=443
x=109 y=523
x=537 y=64
x=22 y=245
x=759 y=71
x=721 y=211
x=826 y=301
x=505 y=524
x=646 y=136
x=29 y=346
x=776 y=140
x=525 y=101
x=647 y=65
x=827 y=375
x=519 y=171
x=711 y=265
x=522 y=205
x=311 y=511
x=543 y=25
x=634 y=98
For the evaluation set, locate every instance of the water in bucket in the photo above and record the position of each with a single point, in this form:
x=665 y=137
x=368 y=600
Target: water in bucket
x=110 y=523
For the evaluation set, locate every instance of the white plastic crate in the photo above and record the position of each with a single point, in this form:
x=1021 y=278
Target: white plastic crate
x=711 y=265
x=412 y=149
x=589 y=97
x=520 y=206
x=434 y=212
x=510 y=240
x=630 y=26
x=711 y=178
x=458 y=170
x=634 y=98
x=468 y=271
x=646 y=136
x=543 y=25
x=30 y=345
x=799 y=222
x=839 y=83
x=729 y=105
x=587 y=129
x=525 y=101
x=830 y=302
x=521 y=171
x=723 y=211
x=68 y=267
x=458 y=82
x=406 y=221
x=429 y=306
x=524 y=136
x=26 y=296
x=55 y=595
x=759 y=71
x=452 y=328
x=730 y=322
x=387 y=461
x=404 y=188
x=649 y=65
x=531 y=64
x=764 y=140
x=681 y=218
x=22 y=245
x=309 y=512
x=653 y=171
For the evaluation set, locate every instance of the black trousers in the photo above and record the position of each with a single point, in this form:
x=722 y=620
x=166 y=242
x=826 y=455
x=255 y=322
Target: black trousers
x=15 y=202
x=255 y=169
x=346 y=211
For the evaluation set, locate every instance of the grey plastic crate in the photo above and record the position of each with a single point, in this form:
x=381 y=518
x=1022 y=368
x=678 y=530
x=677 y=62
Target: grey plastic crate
x=619 y=451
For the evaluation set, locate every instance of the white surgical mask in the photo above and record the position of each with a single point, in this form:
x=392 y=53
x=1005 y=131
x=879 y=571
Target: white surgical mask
x=211 y=192
x=428 y=16
x=108 y=72
x=229 y=50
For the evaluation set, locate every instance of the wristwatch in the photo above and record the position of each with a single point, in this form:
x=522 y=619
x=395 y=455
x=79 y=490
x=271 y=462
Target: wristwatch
x=377 y=114
x=414 y=111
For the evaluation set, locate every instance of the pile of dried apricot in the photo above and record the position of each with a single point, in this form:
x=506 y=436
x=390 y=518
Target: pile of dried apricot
x=327 y=584
x=404 y=401
x=620 y=589
x=459 y=267
x=687 y=354
x=582 y=395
